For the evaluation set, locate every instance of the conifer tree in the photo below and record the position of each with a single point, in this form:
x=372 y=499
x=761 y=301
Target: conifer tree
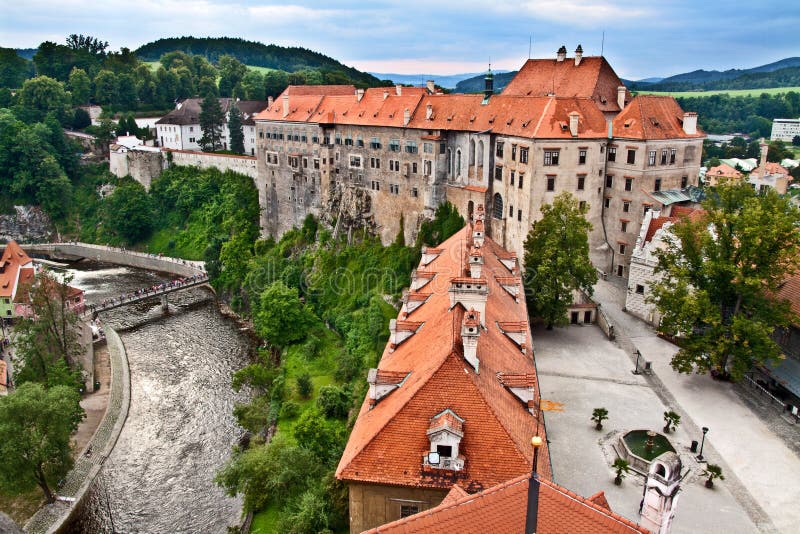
x=557 y=260
x=235 y=130
x=211 y=120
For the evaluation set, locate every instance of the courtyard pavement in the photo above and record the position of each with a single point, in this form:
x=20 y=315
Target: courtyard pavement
x=579 y=367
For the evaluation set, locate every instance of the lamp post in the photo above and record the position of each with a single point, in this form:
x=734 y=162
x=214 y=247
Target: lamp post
x=531 y=518
x=702 y=443
x=638 y=355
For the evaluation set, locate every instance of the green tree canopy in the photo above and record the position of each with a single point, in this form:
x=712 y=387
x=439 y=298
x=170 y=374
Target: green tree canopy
x=80 y=86
x=446 y=222
x=35 y=429
x=720 y=273
x=557 y=259
x=128 y=211
x=43 y=95
x=235 y=129
x=231 y=73
x=280 y=318
x=13 y=69
x=211 y=120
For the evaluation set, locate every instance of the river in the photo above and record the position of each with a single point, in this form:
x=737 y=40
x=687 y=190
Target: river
x=180 y=427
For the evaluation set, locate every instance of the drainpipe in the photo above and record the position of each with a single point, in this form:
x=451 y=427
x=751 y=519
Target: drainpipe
x=603 y=203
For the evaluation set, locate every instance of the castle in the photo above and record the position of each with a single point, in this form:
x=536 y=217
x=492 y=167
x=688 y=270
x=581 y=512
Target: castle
x=380 y=156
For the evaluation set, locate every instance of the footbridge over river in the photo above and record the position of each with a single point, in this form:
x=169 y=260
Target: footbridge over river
x=161 y=290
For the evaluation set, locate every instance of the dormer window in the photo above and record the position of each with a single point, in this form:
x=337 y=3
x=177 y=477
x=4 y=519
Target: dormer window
x=445 y=433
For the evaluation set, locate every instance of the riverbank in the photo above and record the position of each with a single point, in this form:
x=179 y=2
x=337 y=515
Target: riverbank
x=51 y=517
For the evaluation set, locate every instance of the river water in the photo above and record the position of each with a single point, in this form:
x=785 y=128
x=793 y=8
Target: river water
x=180 y=428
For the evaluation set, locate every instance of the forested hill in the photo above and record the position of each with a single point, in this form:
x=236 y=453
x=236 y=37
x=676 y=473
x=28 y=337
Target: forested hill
x=783 y=73
x=476 y=84
x=290 y=59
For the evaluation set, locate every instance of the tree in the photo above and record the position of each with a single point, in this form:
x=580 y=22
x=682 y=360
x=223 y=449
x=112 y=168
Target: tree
x=713 y=471
x=88 y=43
x=80 y=86
x=103 y=133
x=42 y=95
x=334 y=401
x=128 y=211
x=235 y=129
x=621 y=467
x=671 y=420
x=598 y=416
x=48 y=341
x=13 y=68
x=796 y=140
x=557 y=259
x=35 y=428
x=211 y=121
x=304 y=385
x=719 y=273
x=207 y=87
x=280 y=318
x=446 y=222
x=231 y=73
x=106 y=87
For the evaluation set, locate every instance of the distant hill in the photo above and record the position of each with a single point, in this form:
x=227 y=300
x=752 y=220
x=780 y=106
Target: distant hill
x=448 y=81
x=27 y=53
x=290 y=59
x=777 y=74
x=476 y=83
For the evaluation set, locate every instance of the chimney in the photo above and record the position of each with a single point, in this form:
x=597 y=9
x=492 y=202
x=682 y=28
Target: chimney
x=359 y=94
x=621 y=96
x=470 y=332
x=573 y=123
x=406 y=117
x=431 y=86
x=578 y=55
x=398 y=89
x=764 y=151
x=478 y=232
x=385 y=94
x=561 y=55
x=269 y=101
x=475 y=262
x=428 y=112
x=690 y=123
x=285 y=105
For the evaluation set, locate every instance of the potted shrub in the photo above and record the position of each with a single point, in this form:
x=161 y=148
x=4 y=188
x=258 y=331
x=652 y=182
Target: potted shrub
x=713 y=471
x=621 y=467
x=598 y=416
x=671 y=420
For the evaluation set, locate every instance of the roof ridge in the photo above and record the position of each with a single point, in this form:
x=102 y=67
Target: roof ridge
x=541 y=117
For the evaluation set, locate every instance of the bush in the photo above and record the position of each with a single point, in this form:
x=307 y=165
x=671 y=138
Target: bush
x=289 y=410
x=334 y=401
x=81 y=119
x=304 y=385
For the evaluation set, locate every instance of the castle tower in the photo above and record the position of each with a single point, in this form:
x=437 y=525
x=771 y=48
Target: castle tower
x=488 y=89
x=661 y=492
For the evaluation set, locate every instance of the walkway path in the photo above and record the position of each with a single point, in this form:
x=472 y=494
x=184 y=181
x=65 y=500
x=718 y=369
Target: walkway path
x=146 y=293
x=766 y=471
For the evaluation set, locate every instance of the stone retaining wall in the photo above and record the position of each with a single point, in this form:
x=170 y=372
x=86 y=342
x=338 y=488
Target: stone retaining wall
x=51 y=518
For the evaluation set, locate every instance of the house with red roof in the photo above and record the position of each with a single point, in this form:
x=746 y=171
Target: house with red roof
x=721 y=172
x=16 y=269
x=561 y=125
x=454 y=399
x=769 y=175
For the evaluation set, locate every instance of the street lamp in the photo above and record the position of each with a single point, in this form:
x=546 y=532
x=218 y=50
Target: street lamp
x=638 y=355
x=703 y=442
x=531 y=517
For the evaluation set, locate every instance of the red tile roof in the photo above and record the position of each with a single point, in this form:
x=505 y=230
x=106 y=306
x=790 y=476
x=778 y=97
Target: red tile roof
x=790 y=291
x=593 y=78
x=723 y=170
x=503 y=508
x=651 y=117
x=769 y=168
x=318 y=90
x=389 y=440
x=12 y=259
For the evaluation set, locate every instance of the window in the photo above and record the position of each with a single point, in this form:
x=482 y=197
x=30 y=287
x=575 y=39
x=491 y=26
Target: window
x=427 y=166
x=521 y=177
x=359 y=141
x=348 y=141
x=408 y=509
x=657 y=185
x=294 y=161
x=628 y=184
x=338 y=139
x=622 y=248
x=375 y=185
x=316 y=163
x=355 y=161
x=664 y=157
x=551 y=182
x=519 y=215
x=191 y=139
x=684 y=182
x=612 y=153
x=672 y=153
x=631 y=156
x=305 y=162
x=411 y=147
x=497 y=206
x=498 y=172
x=551 y=157
x=414 y=192
x=512 y=175
x=414 y=168
x=394 y=165
x=639 y=289
x=623 y=226
x=607 y=202
x=394 y=189
x=609 y=180
x=620 y=270
x=374 y=163
x=582 y=157
x=510 y=212
x=261 y=134
x=523 y=154
x=394 y=145
x=375 y=143
x=582 y=205
x=499 y=150
x=442 y=148
x=513 y=152
x=191 y=128
x=626 y=206
x=581 y=182
x=427 y=148
x=645 y=209
x=651 y=158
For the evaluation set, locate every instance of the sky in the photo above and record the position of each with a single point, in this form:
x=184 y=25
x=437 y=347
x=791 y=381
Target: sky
x=643 y=38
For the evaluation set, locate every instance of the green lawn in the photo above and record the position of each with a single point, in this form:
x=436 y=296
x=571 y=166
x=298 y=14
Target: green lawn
x=732 y=92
